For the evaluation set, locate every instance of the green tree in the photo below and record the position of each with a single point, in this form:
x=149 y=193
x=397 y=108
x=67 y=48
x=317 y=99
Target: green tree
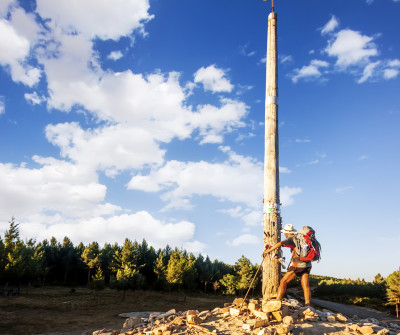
x=91 y=257
x=98 y=283
x=393 y=287
x=160 y=270
x=68 y=256
x=190 y=272
x=204 y=270
x=128 y=275
x=229 y=281
x=245 y=272
x=107 y=259
x=175 y=270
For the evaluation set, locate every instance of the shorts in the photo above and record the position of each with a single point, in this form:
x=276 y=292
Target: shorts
x=300 y=271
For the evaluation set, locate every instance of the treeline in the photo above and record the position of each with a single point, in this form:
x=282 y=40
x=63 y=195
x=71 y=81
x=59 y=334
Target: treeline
x=378 y=294
x=130 y=266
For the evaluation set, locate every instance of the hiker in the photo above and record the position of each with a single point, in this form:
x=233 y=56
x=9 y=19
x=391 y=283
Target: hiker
x=298 y=268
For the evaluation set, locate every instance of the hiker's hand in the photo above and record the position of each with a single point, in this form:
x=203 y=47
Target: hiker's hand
x=296 y=259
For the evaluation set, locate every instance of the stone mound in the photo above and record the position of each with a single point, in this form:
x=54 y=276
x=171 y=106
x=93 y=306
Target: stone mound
x=254 y=317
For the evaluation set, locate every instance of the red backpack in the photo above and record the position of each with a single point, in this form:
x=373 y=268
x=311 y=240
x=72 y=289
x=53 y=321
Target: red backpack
x=307 y=246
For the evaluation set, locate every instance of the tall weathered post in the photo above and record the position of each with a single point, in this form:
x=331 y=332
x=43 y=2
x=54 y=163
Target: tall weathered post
x=272 y=219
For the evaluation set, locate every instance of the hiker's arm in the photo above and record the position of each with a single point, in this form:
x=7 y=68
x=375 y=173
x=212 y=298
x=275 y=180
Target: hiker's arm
x=276 y=246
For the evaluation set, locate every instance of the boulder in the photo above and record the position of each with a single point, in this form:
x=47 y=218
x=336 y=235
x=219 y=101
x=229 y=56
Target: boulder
x=235 y=311
x=257 y=323
x=288 y=320
x=366 y=330
x=341 y=317
x=271 y=306
x=194 y=319
x=261 y=315
x=277 y=315
x=132 y=322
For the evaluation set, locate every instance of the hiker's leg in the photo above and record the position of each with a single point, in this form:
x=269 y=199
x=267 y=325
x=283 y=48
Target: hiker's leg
x=305 y=284
x=287 y=278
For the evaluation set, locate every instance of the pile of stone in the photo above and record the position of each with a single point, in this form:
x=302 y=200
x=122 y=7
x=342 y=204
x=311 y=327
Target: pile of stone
x=254 y=317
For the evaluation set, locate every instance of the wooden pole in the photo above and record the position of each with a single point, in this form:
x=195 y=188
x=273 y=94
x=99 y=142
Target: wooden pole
x=272 y=219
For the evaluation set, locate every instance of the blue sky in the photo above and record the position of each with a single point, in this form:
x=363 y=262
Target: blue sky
x=144 y=119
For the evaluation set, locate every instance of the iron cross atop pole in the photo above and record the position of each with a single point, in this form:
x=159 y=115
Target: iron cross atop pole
x=272 y=4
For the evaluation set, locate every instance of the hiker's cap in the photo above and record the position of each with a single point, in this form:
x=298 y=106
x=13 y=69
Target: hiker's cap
x=288 y=229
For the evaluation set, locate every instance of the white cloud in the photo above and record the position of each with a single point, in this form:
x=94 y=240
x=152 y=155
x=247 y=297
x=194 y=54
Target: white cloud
x=137 y=226
x=236 y=180
x=368 y=72
x=213 y=122
x=311 y=71
x=331 y=25
x=343 y=189
x=351 y=48
x=55 y=186
x=283 y=169
x=33 y=98
x=286 y=59
x=115 y=55
x=2 y=106
x=213 y=79
x=287 y=195
x=92 y=18
x=14 y=49
x=394 y=62
x=5 y=6
x=121 y=147
x=298 y=140
x=392 y=70
x=390 y=73
x=243 y=239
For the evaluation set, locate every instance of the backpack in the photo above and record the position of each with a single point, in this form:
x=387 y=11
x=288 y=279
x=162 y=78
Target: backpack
x=307 y=246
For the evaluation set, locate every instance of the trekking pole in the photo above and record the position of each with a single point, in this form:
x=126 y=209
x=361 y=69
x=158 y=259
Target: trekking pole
x=251 y=284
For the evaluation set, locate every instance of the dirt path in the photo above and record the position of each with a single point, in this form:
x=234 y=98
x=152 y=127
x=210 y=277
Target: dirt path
x=361 y=312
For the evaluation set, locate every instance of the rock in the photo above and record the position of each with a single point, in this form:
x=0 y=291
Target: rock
x=271 y=306
x=288 y=320
x=247 y=327
x=235 y=311
x=310 y=312
x=261 y=315
x=204 y=314
x=257 y=323
x=283 y=329
x=277 y=315
x=265 y=331
x=194 y=319
x=178 y=321
x=341 y=317
x=330 y=318
x=238 y=302
x=366 y=330
x=132 y=322
x=310 y=318
x=354 y=327
x=253 y=305
x=103 y=332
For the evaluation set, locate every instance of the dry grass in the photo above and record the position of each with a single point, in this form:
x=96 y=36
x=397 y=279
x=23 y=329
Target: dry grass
x=57 y=310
